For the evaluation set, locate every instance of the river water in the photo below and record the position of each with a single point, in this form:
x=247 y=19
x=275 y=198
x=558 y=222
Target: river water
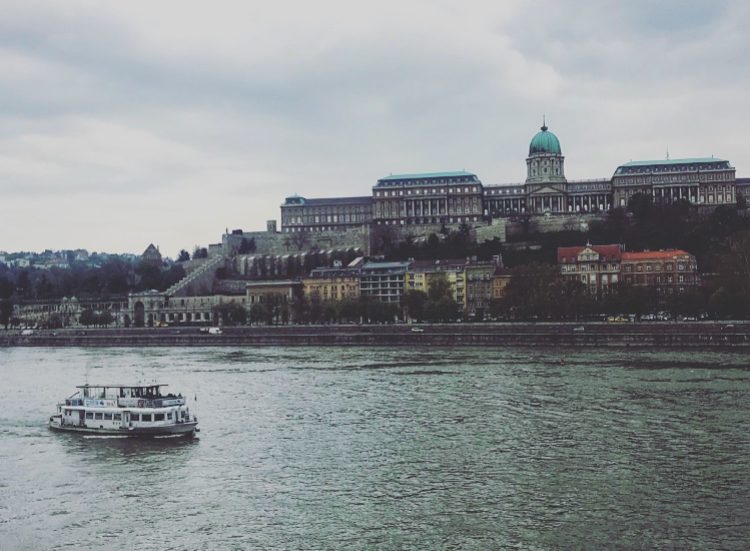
x=370 y=448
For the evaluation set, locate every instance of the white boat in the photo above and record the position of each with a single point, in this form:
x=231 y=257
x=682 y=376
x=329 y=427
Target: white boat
x=124 y=410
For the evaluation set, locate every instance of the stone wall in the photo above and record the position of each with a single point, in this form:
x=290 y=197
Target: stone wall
x=559 y=222
x=275 y=243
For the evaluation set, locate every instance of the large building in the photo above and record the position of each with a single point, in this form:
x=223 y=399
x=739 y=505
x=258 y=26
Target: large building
x=329 y=214
x=332 y=284
x=595 y=266
x=599 y=267
x=445 y=198
x=670 y=271
x=546 y=189
x=702 y=181
x=427 y=199
x=383 y=281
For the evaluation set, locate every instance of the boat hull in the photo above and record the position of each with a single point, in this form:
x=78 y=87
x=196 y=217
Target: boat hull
x=180 y=429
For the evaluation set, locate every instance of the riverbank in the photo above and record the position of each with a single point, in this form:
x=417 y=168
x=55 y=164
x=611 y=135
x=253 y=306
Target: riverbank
x=730 y=335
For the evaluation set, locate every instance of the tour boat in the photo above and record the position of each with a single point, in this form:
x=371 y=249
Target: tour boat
x=125 y=410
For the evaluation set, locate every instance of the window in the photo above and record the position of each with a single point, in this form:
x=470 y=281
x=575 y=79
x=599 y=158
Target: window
x=118 y=416
x=159 y=417
x=169 y=416
x=89 y=415
x=146 y=417
x=98 y=416
x=107 y=416
x=135 y=417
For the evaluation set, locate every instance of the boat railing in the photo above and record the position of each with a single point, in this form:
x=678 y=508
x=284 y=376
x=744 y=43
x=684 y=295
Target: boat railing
x=150 y=402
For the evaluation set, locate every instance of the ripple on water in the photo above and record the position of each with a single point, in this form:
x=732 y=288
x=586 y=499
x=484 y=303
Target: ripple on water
x=377 y=448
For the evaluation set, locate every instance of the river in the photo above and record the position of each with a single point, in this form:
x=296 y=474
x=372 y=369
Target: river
x=371 y=448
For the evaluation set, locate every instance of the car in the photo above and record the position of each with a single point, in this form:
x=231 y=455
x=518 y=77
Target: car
x=214 y=331
x=27 y=332
x=417 y=330
x=579 y=328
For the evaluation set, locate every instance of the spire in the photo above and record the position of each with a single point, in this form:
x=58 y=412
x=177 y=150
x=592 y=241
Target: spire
x=544 y=123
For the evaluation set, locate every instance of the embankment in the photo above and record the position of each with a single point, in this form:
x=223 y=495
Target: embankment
x=726 y=335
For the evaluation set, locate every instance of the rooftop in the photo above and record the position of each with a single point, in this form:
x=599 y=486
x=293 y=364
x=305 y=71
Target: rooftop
x=427 y=176
x=655 y=255
x=608 y=251
x=324 y=201
x=385 y=265
x=423 y=265
x=667 y=162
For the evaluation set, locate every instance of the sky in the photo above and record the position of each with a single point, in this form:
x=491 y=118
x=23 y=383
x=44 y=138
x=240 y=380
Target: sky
x=129 y=123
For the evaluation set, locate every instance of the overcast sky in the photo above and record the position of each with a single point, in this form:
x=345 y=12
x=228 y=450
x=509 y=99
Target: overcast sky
x=125 y=123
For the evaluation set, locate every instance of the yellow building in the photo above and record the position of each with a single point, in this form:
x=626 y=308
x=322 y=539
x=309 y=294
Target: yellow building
x=332 y=284
x=422 y=273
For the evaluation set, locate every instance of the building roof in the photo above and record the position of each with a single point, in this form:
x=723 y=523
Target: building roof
x=385 y=265
x=667 y=162
x=321 y=273
x=654 y=255
x=272 y=283
x=742 y=181
x=427 y=176
x=325 y=201
x=613 y=252
x=544 y=142
x=433 y=264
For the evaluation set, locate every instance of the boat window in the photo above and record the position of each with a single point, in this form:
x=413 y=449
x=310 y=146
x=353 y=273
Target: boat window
x=135 y=417
x=107 y=416
x=146 y=417
x=97 y=416
x=184 y=414
x=169 y=416
x=158 y=417
x=89 y=415
x=118 y=416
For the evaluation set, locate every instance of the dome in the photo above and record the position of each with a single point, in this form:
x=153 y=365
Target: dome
x=544 y=142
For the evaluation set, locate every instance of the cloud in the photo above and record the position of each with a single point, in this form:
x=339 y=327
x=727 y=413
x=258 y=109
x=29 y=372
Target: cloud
x=174 y=120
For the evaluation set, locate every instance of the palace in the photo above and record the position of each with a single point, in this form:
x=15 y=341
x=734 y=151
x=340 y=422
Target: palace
x=453 y=198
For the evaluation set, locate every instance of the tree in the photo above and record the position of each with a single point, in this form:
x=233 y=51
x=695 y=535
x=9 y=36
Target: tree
x=741 y=201
x=350 y=310
x=641 y=205
x=87 y=318
x=184 y=256
x=6 y=288
x=443 y=309
x=247 y=246
x=200 y=252
x=6 y=312
x=439 y=286
x=530 y=291
x=260 y=312
x=230 y=313
x=55 y=322
x=413 y=303
x=301 y=239
x=105 y=319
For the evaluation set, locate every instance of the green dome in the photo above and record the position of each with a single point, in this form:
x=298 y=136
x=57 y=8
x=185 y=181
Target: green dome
x=544 y=142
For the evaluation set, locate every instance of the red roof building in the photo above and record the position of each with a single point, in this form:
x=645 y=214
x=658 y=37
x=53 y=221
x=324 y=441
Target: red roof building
x=669 y=271
x=596 y=266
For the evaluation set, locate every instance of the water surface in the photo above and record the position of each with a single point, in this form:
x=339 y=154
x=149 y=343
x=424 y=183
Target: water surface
x=364 y=448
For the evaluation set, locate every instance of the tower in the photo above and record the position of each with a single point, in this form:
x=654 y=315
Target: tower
x=545 y=163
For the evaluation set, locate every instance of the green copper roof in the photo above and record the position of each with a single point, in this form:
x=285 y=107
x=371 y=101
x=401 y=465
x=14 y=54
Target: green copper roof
x=696 y=160
x=426 y=175
x=544 y=142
